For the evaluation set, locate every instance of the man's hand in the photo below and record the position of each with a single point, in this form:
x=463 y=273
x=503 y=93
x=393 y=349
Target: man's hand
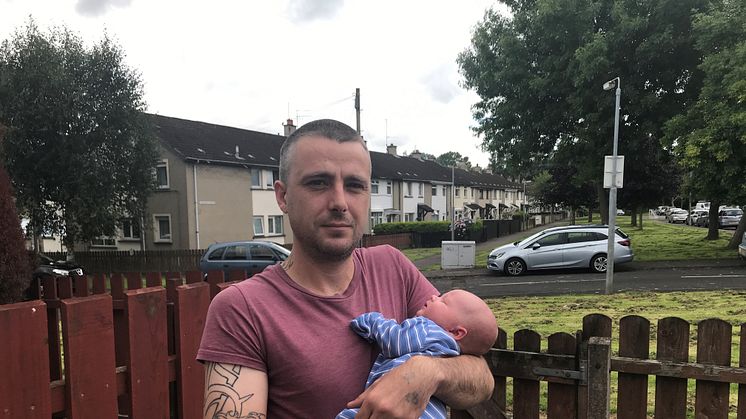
x=400 y=393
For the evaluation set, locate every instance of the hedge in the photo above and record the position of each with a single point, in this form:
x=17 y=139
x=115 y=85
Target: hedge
x=412 y=227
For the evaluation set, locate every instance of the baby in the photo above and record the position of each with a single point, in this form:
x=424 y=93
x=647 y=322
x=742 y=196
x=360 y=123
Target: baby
x=456 y=322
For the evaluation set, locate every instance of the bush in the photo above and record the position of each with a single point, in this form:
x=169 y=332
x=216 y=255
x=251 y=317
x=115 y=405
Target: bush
x=15 y=274
x=412 y=227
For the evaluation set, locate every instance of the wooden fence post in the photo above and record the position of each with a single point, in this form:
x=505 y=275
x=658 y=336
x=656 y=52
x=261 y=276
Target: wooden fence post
x=526 y=392
x=147 y=361
x=24 y=361
x=673 y=345
x=90 y=370
x=562 y=399
x=599 y=369
x=190 y=311
x=632 y=393
x=713 y=347
x=597 y=325
x=742 y=387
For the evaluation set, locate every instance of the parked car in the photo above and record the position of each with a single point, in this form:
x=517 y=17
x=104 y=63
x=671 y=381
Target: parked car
x=619 y=212
x=742 y=247
x=253 y=256
x=561 y=247
x=695 y=216
x=678 y=216
x=729 y=217
x=703 y=220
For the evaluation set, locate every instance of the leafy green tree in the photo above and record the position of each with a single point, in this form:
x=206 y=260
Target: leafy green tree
x=710 y=137
x=453 y=158
x=79 y=149
x=14 y=261
x=539 y=75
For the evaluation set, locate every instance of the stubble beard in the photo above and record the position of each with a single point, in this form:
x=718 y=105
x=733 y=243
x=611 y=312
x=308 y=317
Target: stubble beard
x=323 y=251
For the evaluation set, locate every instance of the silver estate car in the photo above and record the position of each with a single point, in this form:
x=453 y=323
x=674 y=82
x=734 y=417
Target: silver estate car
x=561 y=247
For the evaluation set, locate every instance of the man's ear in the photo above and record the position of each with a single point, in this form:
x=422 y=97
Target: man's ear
x=280 y=191
x=458 y=332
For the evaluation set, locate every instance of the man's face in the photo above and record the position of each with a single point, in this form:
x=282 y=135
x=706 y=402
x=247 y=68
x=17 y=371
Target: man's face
x=327 y=196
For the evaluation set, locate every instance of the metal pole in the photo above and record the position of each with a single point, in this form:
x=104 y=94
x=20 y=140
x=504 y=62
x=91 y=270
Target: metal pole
x=612 y=197
x=453 y=203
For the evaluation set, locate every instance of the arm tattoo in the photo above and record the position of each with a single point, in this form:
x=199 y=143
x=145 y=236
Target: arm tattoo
x=222 y=401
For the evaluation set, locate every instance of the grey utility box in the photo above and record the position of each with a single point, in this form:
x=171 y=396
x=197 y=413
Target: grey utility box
x=457 y=254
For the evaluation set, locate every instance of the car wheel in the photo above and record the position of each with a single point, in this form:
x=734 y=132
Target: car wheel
x=514 y=267
x=599 y=263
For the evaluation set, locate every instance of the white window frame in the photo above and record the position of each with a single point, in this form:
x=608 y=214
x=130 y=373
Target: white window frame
x=105 y=241
x=258 y=173
x=259 y=218
x=376 y=217
x=419 y=189
x=388 y=187
x=129 y=235
x=434 y=190
x=409 y=217
x=157 y=229
x=163 y=163
x=409 y=189
x=374 y=187
x=274 y=227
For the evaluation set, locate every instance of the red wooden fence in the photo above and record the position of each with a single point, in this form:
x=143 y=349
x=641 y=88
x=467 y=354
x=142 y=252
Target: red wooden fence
x=88 y=350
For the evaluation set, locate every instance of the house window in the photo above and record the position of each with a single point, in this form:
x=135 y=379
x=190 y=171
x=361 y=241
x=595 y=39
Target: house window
x=481 y=194
x=419 y=189
x=458 y=191
x=409 y=216
x=409 y=189
x=259 y=226
x=161 y=174
x=388 y=188
x=162 y=226
x=104 y=241
x=472 y=192
x=274 y=224
x=130 y=229
x=374 y=187
x=256 y=178
x=435 y=190
x=376 y=218
x=270 y=176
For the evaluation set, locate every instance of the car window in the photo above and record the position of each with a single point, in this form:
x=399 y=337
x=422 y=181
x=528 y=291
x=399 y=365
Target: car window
x=580 y=236
x=261 y=252
x=733 y=213
x=237 y=252
x=216 y=254
x=602 y=236
x=553 y=239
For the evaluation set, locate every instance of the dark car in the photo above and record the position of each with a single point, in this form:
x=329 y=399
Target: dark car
x=252 y=256
x=48 y=267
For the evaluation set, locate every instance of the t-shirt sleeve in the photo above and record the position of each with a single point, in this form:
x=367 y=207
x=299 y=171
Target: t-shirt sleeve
x=230 y=335
x=419 y=289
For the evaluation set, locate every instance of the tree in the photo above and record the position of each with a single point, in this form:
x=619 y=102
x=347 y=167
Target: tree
x=79 y=149
x=15 y=274
x=539 y=76
x=453 y=158
x=709 y=138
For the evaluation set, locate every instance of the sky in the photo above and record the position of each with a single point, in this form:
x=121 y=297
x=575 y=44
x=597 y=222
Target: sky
x=255 y=64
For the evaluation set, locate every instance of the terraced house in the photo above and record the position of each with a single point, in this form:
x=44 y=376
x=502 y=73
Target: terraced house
x=215 y=184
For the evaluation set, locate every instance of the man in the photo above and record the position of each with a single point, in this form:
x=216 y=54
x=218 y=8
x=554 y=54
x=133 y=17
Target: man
x=280 y=343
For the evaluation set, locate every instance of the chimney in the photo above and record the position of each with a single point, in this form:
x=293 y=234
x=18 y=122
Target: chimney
x=416 y=154
x=289 y=127
x=391 y=149
x=236 y=155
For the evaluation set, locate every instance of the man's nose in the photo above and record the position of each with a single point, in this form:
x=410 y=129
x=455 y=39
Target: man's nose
x=338 y=198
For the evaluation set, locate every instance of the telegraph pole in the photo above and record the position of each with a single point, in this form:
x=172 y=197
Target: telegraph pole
x=357 y=109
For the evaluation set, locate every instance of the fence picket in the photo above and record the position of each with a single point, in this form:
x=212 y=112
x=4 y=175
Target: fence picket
x=594 y=325
x=24 y=362
x=562 y=399
x=90 y=370
x=713 y=347
x=673 y=345
x=147 y=363
x=134 y=280
x=526 y=392
x=80 y=286
x=634 y=342
x=741 y=414
x=190 y=310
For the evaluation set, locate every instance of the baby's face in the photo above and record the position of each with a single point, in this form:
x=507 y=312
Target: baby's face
x=443 y=310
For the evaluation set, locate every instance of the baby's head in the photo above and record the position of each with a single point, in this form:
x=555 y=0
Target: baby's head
x=466 y=317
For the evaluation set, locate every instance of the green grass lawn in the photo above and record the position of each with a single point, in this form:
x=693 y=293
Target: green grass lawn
x=547 y=315
x=656 y=241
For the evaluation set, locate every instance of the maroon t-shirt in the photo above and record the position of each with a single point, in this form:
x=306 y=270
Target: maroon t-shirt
x=314 y=362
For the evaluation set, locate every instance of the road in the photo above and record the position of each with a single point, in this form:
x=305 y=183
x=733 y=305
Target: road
x=583 y=282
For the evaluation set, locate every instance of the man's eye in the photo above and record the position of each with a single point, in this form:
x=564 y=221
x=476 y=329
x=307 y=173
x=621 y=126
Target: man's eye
x=356 y=185
x=316 y=183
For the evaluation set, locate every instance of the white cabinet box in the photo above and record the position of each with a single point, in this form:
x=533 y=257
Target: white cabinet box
x=457 y=254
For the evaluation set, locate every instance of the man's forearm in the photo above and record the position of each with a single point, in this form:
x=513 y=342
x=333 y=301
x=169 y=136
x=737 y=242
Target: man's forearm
x=464 y=380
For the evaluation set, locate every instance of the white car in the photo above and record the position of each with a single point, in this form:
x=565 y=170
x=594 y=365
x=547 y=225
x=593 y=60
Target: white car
x=582 y=246
x=678 y=216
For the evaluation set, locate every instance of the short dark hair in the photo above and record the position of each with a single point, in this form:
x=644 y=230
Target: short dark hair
x=327 y=128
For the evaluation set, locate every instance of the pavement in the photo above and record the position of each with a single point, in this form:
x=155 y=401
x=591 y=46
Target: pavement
x=499 y=241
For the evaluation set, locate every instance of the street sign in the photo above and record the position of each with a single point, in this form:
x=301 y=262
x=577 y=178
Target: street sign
x=608 y=169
